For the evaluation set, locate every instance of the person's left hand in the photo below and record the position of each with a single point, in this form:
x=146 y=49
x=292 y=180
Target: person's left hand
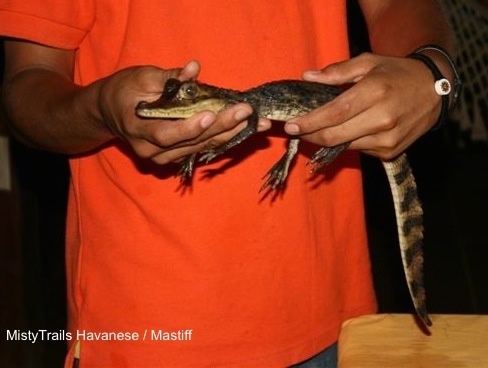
x=391 y=103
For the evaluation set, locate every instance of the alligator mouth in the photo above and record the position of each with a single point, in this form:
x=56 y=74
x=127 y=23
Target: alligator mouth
x=178 y=110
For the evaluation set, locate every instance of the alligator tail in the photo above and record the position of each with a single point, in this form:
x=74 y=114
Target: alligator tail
x=408 y=213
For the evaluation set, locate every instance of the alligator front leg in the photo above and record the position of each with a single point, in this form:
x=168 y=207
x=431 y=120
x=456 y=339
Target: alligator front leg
x=279 y=172
x=250 y=129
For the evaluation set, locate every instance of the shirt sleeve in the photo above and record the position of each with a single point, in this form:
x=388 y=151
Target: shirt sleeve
x=55 y=23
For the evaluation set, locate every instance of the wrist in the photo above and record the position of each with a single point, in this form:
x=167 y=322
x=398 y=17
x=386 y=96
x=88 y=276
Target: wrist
x=447 y=67
x=89 y=100
x=447 y=83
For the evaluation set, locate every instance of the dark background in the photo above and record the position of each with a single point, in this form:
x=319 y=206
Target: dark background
x=453 y=186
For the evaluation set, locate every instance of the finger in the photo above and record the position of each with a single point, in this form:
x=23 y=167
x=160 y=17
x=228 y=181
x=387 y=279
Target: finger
x=335 y=112
x=369 y=93
x=174 y=133
x=178 y=153
x=227 y=120
x=190 y=71
x=366 y=108
x=224 y=126
x=152 y=79
x=201 y=126
x=160 y=155
x=230 y=117
x=349 y=71
x=380 y=145
x=163 y=156
x=264 y=124
x=368 y=122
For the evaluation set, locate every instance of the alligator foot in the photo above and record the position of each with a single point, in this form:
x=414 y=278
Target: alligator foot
x=250 y=129
x=326 y=155
x=186 y=170
x=279 y=172
x=209 y=155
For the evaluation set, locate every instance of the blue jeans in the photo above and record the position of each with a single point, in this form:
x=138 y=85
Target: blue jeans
x=325 y=359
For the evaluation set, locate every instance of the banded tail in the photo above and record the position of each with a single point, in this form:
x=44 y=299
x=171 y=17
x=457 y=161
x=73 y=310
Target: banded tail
x=409 y=214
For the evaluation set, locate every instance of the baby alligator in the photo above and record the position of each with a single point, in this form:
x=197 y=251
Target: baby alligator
x=284 y=100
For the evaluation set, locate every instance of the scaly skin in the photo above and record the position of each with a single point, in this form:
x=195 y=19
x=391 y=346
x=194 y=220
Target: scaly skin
x=284 y=100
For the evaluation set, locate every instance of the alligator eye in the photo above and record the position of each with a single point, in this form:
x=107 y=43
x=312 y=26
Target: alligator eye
x=190 y=90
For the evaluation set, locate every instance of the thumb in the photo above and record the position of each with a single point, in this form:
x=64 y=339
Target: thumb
x=190 y=71
x=349 y=71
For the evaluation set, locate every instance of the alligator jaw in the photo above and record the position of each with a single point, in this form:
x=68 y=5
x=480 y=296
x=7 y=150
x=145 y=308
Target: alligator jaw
x=160 y=110
x=273 y=100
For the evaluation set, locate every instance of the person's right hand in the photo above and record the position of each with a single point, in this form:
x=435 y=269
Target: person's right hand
x=47 y=110
x=161 y=140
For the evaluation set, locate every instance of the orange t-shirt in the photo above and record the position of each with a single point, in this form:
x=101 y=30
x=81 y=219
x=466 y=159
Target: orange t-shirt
x=260 y=281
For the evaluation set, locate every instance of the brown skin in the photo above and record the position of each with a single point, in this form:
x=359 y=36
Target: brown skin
x=391 y=105
x=393 y=101
x=67 y=118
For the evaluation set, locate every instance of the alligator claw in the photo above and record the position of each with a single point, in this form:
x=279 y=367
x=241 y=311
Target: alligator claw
x=326 y=155
x=186 y=170
x=279 y=172
x=276 y=177
x=209 y=155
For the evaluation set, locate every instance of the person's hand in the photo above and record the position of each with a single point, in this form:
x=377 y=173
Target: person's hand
x=164 y=141
x=391 y=103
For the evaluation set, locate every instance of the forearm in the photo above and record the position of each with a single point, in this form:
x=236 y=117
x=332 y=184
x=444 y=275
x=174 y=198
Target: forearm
x=398 y=27
x=47 y=111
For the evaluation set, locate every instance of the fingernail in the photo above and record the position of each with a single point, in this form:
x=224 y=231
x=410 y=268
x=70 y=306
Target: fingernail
x=192 y=67
x=263 y=125
x=207 y=120
x=311 y=74
x=241 y=115
x=291 y=128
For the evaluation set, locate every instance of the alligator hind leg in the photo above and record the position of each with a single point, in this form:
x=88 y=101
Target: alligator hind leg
x=279 y=172
x=186 y=169
x=250 y=129
x=326 y=155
